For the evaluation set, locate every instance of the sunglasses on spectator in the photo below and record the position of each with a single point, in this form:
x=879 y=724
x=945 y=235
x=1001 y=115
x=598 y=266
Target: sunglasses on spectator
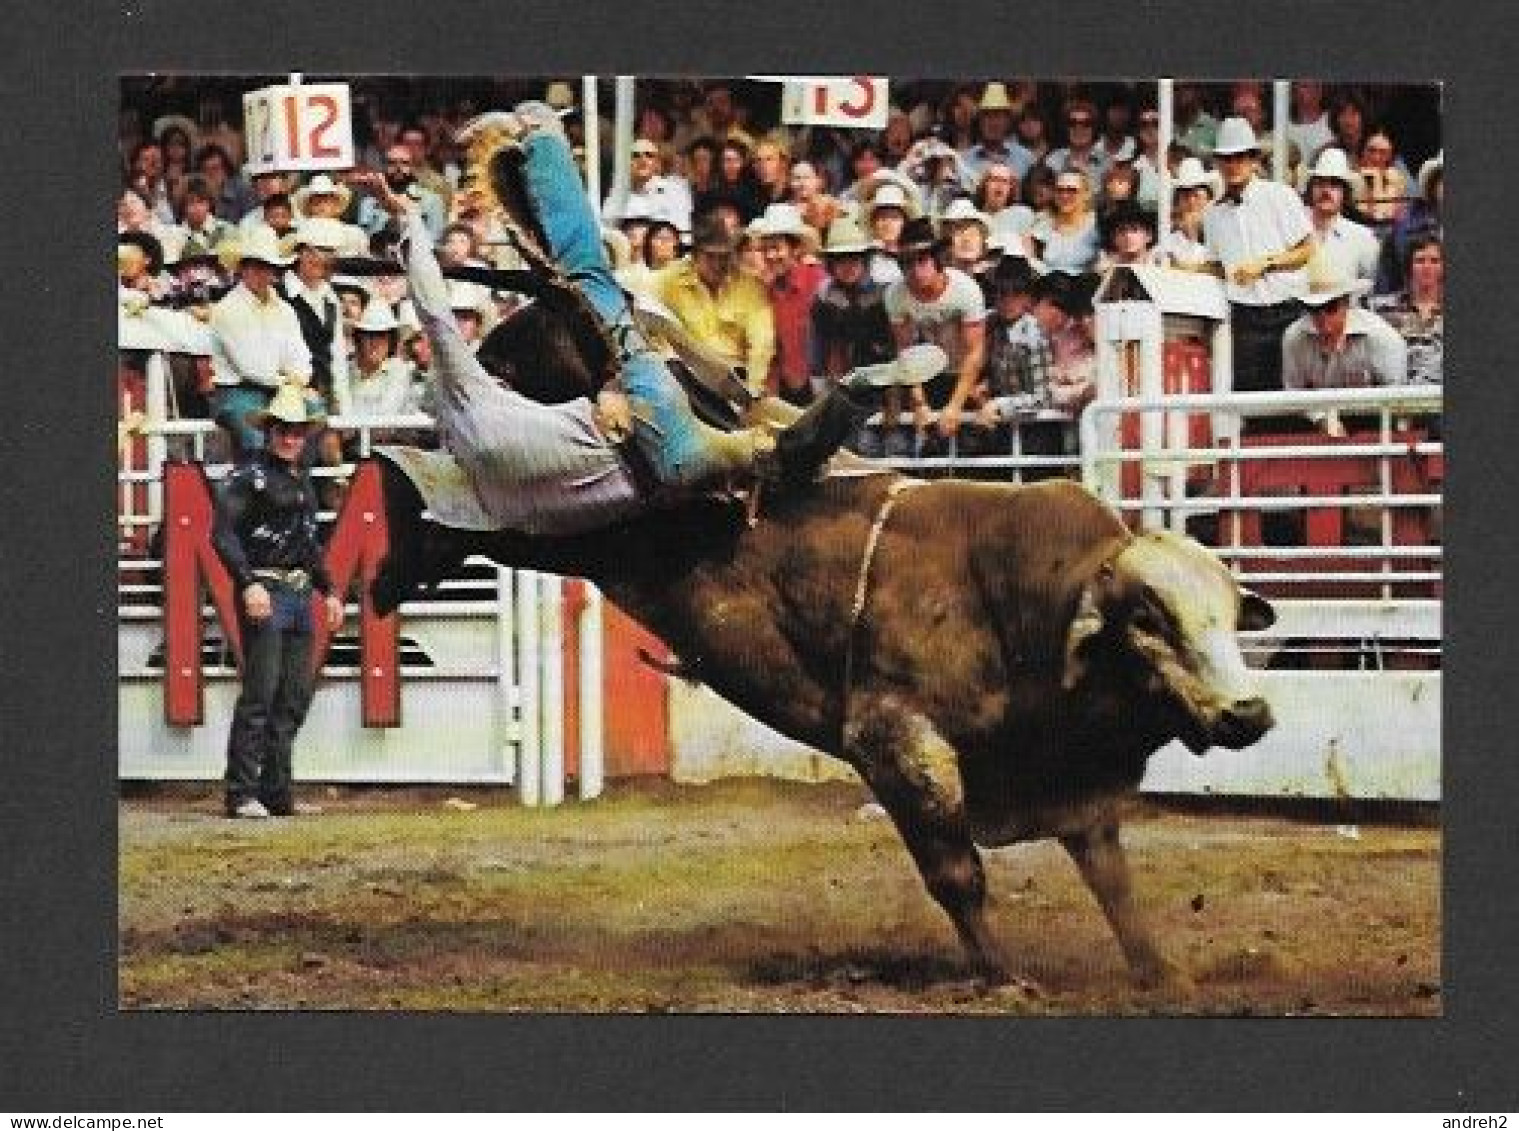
x=1067 y=188
x=1149 y=119
x=1079 y=121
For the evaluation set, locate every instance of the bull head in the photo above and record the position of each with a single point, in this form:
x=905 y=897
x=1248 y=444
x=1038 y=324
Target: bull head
x=1171 y=608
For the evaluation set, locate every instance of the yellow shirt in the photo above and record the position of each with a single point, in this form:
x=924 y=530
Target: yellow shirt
x=736 y=322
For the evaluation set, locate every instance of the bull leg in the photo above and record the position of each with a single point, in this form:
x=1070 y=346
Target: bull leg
x=1099 y=855
x=915 y=775
x=421 y=552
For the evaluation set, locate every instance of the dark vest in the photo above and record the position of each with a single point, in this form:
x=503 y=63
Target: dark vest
x=319 y=329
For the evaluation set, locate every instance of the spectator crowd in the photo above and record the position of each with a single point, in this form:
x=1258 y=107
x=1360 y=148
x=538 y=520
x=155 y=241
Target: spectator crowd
x=982 y=218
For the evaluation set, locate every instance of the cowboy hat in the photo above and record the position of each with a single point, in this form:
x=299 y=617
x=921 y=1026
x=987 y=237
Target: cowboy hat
x=786 y=220
x=320 y=232
x=378 y=318
x=1328 y=281
x=469 y=297
x=1434 y=167
x=898 y=187
x=1235 y=136
x=262 y=246
x=1191 y=174
x=962 y=210
x=168 y=122
x=289 y=405
x=846 y=237
x=994 y=97
x=1333 y=165
x=320 y=185
x=341 y=283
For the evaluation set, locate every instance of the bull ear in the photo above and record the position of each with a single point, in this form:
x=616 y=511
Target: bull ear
x=1255 y=613
x=1087 y=624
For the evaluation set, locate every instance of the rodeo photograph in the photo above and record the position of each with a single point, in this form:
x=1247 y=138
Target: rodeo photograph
x=779 y=544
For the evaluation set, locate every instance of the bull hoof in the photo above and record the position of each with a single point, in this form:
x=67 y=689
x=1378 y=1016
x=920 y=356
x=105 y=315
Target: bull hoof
x=389 y=589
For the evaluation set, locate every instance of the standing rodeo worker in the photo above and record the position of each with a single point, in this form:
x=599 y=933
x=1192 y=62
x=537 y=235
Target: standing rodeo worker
x=266 y=535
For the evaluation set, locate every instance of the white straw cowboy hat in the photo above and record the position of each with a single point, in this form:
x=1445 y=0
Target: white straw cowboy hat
x=378 y=318
x=469 y=297
x=994 y=97
x=321 y=232
x=886 y=192
x=846 y=237
x=1333 y=165
x=1235 y=136
x=1328 y=281
x=1191 y=174
x=320 y=185
x=168 y=122
x=289 y=405
x=786 y=220
x=962 y=210
x=263 y=246
x=1434 y=167
x=560 y=95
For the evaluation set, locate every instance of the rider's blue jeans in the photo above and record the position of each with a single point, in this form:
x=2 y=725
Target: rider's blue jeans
x=680 y=449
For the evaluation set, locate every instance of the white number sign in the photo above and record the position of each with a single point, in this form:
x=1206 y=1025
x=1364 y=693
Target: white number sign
x=859 y=102
x=309 y=126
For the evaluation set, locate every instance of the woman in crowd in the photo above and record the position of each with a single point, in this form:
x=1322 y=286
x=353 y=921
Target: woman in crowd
x=1385 y=182
x=732 y=182
x=1033 y=132
x=1191 y=193
x=1066 y=238
x=1418 y=312
x=178 y=160
x=997 y=197
x=701 y=166
x=1039 y=190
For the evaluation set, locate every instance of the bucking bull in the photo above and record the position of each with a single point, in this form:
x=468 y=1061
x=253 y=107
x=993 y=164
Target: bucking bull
x=996 y=662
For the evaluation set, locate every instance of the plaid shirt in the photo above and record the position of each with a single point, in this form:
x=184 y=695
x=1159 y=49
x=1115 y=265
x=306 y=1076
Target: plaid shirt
x=1019 y=360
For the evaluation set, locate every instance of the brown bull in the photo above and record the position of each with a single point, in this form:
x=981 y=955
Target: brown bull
x=996 y=662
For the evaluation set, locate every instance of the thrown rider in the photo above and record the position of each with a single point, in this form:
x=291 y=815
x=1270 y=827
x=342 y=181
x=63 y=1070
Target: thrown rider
x=512 y=462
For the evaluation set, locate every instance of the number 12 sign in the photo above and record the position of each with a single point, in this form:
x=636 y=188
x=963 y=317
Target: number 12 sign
x=859 y=102
x=309 y=126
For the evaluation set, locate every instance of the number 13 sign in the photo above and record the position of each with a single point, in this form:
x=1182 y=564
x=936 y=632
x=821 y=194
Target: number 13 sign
x=859 y=102
x=309 y=126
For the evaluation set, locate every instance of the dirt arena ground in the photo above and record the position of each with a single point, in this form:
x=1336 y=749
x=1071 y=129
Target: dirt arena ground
x=746 y=896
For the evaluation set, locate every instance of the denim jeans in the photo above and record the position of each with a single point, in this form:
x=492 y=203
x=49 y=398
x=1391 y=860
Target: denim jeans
x=276 y=694
x=679 y=448
x=231 y=405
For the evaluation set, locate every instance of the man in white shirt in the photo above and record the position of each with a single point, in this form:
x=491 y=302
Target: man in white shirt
x=256 y=342
x=307 y=287
x=1353 y=248
x=1259 y=238
x=941 y=305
